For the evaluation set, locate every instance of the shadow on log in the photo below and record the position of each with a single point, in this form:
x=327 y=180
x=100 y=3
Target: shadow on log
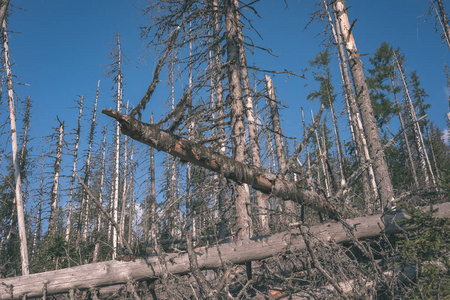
x=120 y=272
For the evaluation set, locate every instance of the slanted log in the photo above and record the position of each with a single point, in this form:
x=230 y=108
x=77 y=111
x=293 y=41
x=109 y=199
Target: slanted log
x=205 y=157
x=119 y=272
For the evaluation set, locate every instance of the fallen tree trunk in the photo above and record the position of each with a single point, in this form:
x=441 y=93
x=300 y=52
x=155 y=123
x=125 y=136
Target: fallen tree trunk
x=119 y=272
x=202 y=156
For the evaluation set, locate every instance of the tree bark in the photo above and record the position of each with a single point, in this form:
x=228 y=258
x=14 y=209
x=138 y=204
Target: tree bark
x=115 y=202
x=241 y=191
x=100 y=198
x=52 y=222
x=278 y=138
x=444 y=22
x=234 y=170
x=3 y=9
x=368 y=181
x=381 y=170
x=74 y=169
x=120 y=272
x=15 y=152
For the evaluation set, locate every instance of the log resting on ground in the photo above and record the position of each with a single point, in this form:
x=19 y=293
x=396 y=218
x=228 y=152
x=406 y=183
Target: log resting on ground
x=205 y=157
x=118 y=272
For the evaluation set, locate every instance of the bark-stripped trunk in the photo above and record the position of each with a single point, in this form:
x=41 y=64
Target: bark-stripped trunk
x=381 y=171
x=232 y=169
x=251 y=126
x=117 y=151
x=52 y=222
x=423 y=155
x=321 y=159
x=132 y=199
x=125 y=185
x=74 y=169
x=3 y=9
x=152 y=198
x=438 y=175
x=444 y=22
x=100 y=198
x=278 y=138
x=87 y=172
x=241 y=190
x=368 y=180
x=119 y=272
x=337 y=138
x=15 y=153
x=38 y=228
x=405 y=135
x=218 y=87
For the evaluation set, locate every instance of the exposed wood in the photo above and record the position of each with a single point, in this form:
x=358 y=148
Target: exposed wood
x=241 y=192
x=205 y=157
x=14 y=149
x=381 y=171
x=119 y=272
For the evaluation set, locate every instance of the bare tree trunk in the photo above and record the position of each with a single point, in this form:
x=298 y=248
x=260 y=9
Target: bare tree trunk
x=278 y=138
x=3 y=9
x=432 y=152
x=232 y=169
x=152 y=199
x=444 y=21
x=337 y=138
x=100 y=197
x=252 y=129
x=218 y=87
x=368 y=180
x=87 y=174
x=381 y=170
x=38 y=228
x=118 y=272
x=117 y=151
x=125 y=185
x=423 y=156
x=132 y=199
x=405 y=135
x=52 y=223
x=15 y=151
x=74 y=169
x=241 y=190
x=321 y=157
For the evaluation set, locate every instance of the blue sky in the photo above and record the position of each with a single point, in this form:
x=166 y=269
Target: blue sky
x=60 y=50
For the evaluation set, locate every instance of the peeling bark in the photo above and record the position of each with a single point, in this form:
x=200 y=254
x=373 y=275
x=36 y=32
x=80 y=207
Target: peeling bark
x=119 y=272
x=205 y=157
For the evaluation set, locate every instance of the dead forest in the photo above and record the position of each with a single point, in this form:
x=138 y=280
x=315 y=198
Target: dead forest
x=229 y=206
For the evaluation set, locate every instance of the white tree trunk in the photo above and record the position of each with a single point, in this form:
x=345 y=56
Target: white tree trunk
x=74 y=169
x=53 y=221
x=117 y=152
x=15 y=154
x=133 y=269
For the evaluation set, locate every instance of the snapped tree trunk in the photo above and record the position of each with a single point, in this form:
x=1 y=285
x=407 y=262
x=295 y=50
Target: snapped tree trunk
x=74 y=169
x=133 y=269
x=381 y=171
x=52 y=222
x=15 y=151
x=241 y=193
x=368 y=180
x=230 y=168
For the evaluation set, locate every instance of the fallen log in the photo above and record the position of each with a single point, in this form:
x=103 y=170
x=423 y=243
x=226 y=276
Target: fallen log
x=119 y=272
x=202 y=156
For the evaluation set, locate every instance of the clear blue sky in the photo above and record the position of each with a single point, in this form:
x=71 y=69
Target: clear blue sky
x=60 y=50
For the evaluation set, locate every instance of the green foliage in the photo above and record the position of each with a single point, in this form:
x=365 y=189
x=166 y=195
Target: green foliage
x=325 y=93
x=381 y=84
x=428 y=248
